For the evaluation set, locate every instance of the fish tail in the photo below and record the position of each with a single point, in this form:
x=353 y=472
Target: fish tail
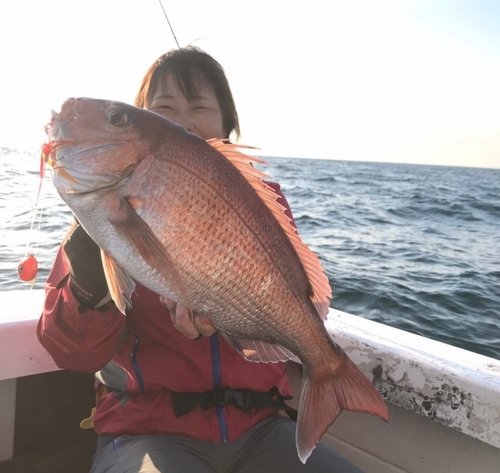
x=325 y=394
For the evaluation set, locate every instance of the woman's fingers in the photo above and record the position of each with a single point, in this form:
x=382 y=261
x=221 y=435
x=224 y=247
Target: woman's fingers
x=204 y=325
x=191 y=327
x=184 y=323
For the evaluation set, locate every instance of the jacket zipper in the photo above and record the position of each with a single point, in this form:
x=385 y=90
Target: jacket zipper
x=135 y=364
x=217 y=379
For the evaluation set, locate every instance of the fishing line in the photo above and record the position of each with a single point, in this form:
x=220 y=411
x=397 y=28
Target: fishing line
x=33 y=218
x=37 y=209
x=37 y=240
x=27 y=269
x=168 y=21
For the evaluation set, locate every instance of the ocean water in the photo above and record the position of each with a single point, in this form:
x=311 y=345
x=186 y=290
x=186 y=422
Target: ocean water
x=414 y=247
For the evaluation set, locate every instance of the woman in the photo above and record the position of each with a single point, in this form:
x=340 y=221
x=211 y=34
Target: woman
x=175 y=396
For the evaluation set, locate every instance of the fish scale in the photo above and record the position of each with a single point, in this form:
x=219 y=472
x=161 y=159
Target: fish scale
x=240 y=259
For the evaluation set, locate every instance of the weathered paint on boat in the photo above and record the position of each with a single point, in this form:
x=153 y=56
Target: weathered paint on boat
x=452 y=386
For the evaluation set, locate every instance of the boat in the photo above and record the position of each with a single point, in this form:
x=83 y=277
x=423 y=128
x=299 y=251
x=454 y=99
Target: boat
x=444 y=402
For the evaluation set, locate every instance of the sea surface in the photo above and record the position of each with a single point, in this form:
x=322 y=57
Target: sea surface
x=415 y=247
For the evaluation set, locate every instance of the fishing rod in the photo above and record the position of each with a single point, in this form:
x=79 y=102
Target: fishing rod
x=168 y=21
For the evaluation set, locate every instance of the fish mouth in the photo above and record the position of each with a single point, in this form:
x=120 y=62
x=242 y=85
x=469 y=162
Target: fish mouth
x=81 y=179
x=61 y=173
x=95 y=148
x=78 y=182
x=51 y=151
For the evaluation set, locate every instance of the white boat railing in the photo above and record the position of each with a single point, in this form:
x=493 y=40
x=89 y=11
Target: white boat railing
x=455 y=387
x=449 y=385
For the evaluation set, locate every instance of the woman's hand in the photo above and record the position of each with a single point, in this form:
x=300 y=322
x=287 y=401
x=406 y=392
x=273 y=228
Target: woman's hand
x=192 y=328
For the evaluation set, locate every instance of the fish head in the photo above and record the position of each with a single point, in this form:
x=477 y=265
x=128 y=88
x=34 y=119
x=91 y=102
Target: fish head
x=93 y=144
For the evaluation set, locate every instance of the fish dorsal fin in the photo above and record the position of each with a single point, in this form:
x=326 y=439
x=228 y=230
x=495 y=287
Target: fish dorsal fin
x=257 y=351
x=322 y=292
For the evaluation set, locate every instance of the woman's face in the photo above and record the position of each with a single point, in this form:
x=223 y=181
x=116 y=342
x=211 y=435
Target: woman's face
x=201 y=116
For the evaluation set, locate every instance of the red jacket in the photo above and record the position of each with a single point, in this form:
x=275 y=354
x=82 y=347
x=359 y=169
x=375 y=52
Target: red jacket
x=142 y=358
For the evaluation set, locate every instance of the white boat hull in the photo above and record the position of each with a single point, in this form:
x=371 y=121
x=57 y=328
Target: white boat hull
x=444 y=402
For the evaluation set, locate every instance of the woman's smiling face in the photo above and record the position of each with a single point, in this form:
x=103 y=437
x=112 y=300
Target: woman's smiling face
x=202 y=115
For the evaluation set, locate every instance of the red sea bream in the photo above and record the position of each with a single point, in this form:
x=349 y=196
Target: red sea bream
x=195 y=222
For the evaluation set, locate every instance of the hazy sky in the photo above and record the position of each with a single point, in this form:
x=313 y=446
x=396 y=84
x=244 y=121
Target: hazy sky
x=402 y=81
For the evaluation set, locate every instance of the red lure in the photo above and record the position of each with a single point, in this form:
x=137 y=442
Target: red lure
x=47 y=151
x=48 y=156
x=28 y=268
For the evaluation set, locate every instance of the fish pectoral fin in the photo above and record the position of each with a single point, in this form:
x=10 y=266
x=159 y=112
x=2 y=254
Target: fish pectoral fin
x=257 y=351
x=120 y=284
x=139 y=234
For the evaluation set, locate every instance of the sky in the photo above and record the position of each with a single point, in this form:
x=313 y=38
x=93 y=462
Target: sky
x=370 y=80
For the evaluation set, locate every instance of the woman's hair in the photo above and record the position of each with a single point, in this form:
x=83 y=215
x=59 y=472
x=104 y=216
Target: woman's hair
x=189 y=67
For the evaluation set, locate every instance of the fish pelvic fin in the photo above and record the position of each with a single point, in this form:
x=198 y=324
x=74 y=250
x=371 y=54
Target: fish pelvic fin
x=321 y=290
x=120 y=284
x=325 y=395
x=139 y=234
x=257 y=351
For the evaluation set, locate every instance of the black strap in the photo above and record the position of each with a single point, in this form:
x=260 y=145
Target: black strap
x=243 y=399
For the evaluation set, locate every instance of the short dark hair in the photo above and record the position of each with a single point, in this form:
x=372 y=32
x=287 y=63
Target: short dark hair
x=188 y=67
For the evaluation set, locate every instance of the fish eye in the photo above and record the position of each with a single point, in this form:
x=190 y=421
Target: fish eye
x=117 y=118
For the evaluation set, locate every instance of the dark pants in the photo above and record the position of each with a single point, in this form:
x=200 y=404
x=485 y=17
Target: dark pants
x=269 y=447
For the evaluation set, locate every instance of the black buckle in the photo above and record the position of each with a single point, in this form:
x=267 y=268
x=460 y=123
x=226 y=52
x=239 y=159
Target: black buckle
x=239 y=398
x=243 y=399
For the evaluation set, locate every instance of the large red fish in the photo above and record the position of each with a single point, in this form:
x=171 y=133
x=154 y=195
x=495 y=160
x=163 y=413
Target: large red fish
x=195 y=222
